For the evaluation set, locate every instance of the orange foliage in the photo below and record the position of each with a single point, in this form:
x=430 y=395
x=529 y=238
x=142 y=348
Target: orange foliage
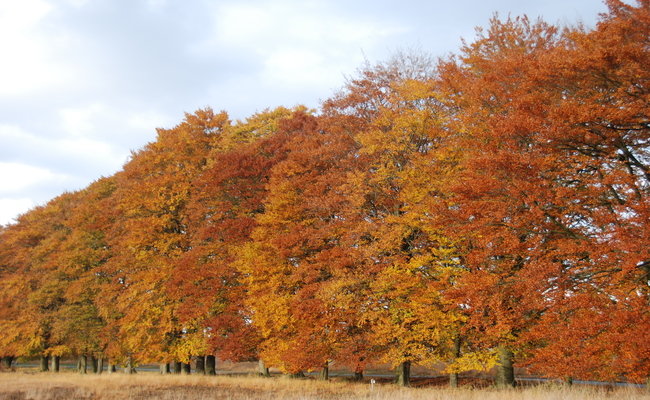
x=498 y=196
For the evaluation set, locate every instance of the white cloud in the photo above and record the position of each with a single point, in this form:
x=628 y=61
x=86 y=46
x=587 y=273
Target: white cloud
x=13 y=132
x=86 y=149
x=64 y=154
x=272 y=25
x=22 y=15
x=77 y=3
x=11 y=208
x=293 y=67
x=81 y=121
x=28 y=57
x=17 y=178
x=299 y=43
x=148 y=121
x=156 y=5
x=99 y=133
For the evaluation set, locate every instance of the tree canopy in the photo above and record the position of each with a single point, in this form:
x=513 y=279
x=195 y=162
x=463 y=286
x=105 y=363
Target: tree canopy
x=487 y=208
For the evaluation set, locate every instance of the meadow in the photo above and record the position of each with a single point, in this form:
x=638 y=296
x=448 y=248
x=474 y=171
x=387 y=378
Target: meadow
x=69 y=386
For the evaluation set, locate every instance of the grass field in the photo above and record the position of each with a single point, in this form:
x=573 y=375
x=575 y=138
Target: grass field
x=49 y=386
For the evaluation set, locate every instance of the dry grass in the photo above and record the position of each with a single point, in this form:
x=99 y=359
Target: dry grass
x=48 y=386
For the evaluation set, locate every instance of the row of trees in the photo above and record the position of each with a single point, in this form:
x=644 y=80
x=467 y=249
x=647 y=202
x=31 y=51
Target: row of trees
x=485 y=209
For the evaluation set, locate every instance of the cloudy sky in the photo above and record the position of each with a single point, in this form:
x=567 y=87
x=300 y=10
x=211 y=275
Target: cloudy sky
x=83 y=82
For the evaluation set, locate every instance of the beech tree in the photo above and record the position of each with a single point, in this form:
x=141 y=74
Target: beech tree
x=35 y=283
x=14 y=245
x=401 y=132
x=499 y=190
x=228 y=195
x=78 y=324
x=152 y=236
x=599 y=130
x=542 y=202
x=297 y=262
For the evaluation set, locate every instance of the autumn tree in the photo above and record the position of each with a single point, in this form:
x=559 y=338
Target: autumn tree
x=599 y=129
x=151 y=236
x=78 y=325
x=228 y=195
x=503 y=184
x=35 y=284
x=402 y=137
x=297 y=265
x=545 y=204
x=13 y=243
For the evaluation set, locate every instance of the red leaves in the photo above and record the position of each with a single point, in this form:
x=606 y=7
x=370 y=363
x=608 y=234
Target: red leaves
x=549 y=186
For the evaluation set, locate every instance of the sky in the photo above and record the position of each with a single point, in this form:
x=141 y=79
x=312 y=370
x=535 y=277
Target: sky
x=84 y=82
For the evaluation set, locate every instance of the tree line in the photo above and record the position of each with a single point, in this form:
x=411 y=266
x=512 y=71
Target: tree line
x=489 y=208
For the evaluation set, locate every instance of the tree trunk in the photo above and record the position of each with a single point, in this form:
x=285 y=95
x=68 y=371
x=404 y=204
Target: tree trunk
x=210 y=365
x=358 y=374
x=505 y=371
x=164 y=369
x=324 y=373
x=111 y=367
x=403 y=374
x=45 y=360
x=297 y=375
x=263 y=370
x=453 y=380
x=82 y=365
x=100 y=365
x=93 y=364
x=186 y=368
x=7 y=361
x=200 y=365
x=129 y=369
x=177 y=367
x=453 y=377
x=55 y=364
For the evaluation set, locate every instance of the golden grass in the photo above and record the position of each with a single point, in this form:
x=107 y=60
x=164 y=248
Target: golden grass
x=49 y=386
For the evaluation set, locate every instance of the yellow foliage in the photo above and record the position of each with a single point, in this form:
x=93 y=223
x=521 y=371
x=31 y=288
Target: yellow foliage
x=475 y=360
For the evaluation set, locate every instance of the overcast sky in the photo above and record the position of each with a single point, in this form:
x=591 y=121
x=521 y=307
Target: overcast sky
x=83 y=82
